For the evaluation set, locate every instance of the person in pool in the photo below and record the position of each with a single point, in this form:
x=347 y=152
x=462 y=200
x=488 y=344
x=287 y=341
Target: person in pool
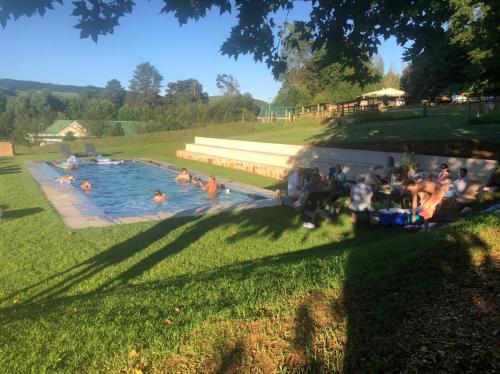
x=183 y=176
x=86 y=185
x=159 y=197
x=211 y=187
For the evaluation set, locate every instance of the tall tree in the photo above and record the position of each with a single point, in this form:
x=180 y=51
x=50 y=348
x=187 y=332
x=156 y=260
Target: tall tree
x=391 y=79
x=146 y=80
x=188 y=90
x=227 y=84
x=114 y=92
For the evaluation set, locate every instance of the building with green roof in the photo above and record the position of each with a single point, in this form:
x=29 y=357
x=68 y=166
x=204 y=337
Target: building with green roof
x=60 y=128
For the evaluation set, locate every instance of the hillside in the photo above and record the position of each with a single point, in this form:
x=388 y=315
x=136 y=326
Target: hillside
x=11 y=86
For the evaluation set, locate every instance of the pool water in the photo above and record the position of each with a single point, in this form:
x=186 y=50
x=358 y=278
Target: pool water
x=127 y=190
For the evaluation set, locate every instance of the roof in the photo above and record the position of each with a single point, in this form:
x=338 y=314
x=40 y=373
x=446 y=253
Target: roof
x=129 y=127
x=58 y=126
x=277 y=111
x=385 y=92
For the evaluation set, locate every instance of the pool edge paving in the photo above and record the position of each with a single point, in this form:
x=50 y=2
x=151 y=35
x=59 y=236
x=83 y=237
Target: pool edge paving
x=78 y=212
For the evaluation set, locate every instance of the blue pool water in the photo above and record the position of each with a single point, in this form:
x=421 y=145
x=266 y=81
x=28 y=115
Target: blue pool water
x=127 y=190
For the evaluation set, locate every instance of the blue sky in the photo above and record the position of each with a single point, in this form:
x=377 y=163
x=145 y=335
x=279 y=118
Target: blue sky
x=49 y=49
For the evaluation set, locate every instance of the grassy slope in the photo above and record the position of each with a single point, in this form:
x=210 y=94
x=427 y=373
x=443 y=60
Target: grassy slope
x=438 y=126
x=83 y=300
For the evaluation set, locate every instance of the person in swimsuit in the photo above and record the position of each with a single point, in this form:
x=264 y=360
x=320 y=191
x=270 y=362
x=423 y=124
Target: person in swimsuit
x=86 y=185
x=430 y=193
x=211 y=187
x=159 y=197
x=183 y=176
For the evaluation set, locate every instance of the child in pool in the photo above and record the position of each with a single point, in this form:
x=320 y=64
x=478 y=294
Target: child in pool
x=159 y=197
x=86 y=185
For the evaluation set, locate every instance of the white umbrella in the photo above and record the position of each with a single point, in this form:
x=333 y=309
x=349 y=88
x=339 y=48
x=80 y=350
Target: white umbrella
x=385 y=92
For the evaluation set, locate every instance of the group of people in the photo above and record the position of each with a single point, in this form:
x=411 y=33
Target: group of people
x=211 y=187
x=424 y=190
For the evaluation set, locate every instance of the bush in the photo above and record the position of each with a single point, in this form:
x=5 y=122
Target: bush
x=116 y=129
x=69 y=137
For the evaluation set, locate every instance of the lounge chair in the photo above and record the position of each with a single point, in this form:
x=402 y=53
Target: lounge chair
x=90 y=150
x=65 y=150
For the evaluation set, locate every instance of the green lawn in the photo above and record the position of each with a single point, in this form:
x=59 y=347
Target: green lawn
x=440 y=125
x=251 y=291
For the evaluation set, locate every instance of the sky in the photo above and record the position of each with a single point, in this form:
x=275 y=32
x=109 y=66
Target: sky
x=49 y=49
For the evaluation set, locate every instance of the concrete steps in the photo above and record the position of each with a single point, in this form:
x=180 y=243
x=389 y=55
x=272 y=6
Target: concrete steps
x=277 y=160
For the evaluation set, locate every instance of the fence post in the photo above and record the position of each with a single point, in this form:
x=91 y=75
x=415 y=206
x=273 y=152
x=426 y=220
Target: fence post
x=469 y=112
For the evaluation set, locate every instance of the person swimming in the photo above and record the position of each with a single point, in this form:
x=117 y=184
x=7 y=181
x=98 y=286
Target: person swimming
x=159 y=197
x=211 y=187
x=183 y=176
x=86 y=185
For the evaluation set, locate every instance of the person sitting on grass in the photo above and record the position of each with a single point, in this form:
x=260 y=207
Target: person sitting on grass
x=418 y=173
x=159 y=197
x=444 y=176
x=183 y=176
x=461 y=185
x=296 y=183
x=323 y=180
x=86 y=185
x=361 y=197
x=387 y=171
x=211 y=187
x=337 y=174
x=408 y=161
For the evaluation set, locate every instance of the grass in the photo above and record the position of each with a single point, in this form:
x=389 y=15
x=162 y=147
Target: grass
x=440 y=125
x=248 y=291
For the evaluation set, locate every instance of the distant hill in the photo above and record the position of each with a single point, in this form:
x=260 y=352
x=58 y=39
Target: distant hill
x=12 y=86
x=215 y=98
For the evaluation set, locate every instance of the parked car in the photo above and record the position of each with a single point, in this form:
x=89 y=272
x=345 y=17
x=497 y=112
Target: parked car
x=458 y=99
x=443 y=99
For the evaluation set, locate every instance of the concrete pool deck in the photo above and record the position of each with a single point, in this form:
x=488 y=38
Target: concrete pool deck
x=78 y=212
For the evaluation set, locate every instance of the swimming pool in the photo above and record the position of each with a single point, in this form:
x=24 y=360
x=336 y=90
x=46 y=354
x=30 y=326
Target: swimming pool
x=125 y=190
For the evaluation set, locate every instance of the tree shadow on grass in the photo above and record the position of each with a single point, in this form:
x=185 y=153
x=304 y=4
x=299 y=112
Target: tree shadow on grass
x=20 y=213
x=194 y=228
x=10 y=169
x=393 y=316
x=382 y=285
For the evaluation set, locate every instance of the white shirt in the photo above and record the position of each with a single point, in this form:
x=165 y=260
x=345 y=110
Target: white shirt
x=293 y=183
x=361 y=196
x=460 y=186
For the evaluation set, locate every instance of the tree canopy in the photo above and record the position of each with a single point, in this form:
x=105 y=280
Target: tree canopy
x=349 y=32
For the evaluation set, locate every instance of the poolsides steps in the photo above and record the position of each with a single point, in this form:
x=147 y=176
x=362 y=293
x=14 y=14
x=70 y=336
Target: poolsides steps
x=277 y=160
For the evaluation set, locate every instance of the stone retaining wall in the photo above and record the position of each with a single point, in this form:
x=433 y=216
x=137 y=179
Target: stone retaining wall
x=276 y=160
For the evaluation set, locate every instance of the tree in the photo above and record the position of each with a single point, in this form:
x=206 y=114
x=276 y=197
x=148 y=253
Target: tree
x=231 y=108
x=99 y=109
x=227 y=84
x=391 y=79
x=146 y=82
x=31 y=112
x=442 y=68
x=114 y=92
x=184 y=91
x=116 y=129
x=3 y=102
